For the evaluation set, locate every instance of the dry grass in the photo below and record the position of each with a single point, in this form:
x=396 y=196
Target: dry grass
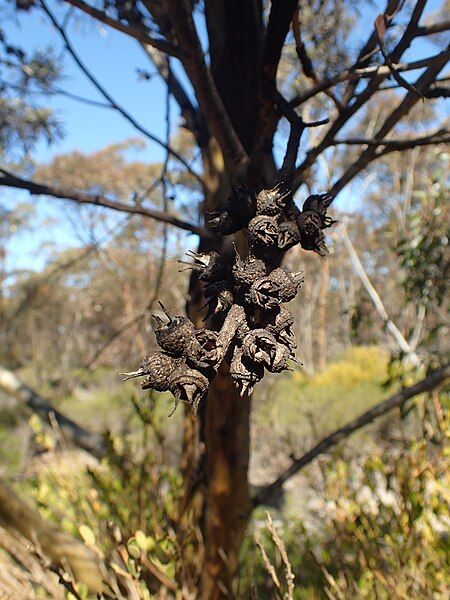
x=23 y=573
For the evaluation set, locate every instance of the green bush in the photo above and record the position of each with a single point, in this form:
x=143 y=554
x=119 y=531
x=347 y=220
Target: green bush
x=381 y=529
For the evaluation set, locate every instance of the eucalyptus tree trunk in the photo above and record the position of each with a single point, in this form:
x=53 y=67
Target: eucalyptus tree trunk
x=216 y=446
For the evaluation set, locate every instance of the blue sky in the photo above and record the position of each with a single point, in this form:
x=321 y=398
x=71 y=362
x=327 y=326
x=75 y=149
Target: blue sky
x=113 y=58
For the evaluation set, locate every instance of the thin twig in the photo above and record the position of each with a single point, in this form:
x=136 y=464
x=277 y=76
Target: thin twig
x=402 y=109
x=284 y=557
x=159 y=278
x=439 y=136
x=380 y=28
x=305 y=59
x=110 y=99
x=269 y=568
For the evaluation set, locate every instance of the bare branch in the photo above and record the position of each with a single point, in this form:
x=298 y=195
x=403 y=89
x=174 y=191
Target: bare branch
x=438 y=137
x=271 y=571
x=134 y=31
x=401 y=46
x=305 y=59
x=210 y=102
x=362 y=98
x=280 y=19
x=364 y=56
x=110 y=99
x=376 y=300
x=437 y=91
x=91 y=442
x=380 y=28
x=432 y=29
x=190 y=114
x=11 y=180
x=410 y=99
x=289 y=575
x=157 y=50
x=433 y=380
x=297 y=127
x=367 y=73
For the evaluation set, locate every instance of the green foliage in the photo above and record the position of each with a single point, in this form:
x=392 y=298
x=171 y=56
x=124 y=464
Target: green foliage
x=380 y=529
x=424 y=252
x=302 y=400
x=375 y=526
x=22 y=121
x=125 y=507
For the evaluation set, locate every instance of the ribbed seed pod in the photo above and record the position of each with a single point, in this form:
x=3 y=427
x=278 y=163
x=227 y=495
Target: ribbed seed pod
x=286 y=283
x=245 y=374
x=319 y=203
x=158 y=369
x=247 y=271
x=173 y=336
x=188 y=385
x=288 y=235
x=202 y=352
x=263 y=231
x=279 y=286
x=311 y=234
x=260 y=346
x=280 y=325
x=271 y=202
x=219 y=297
x=210 y=267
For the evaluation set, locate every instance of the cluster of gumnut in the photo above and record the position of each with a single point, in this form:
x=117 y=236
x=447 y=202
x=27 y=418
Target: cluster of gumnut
x=256 y=332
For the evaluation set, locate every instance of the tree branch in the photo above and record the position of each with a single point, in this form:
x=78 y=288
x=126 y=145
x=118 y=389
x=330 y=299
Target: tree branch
x=350 y=109
x=438 y=137
x=111 y=100
x=210 y=102
x=365 y=54
x=376 y=300
x=91 y=442
x=190 y=114
x=132 y=30
x=280 y=19
x=432 y=29
x=401 y=46
x=11 y=180
x=366 y=73
x=157 y=50
x=430 y=382
x=297 y=127
x=380 y=27
x=410 y=99
x=305 y=59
